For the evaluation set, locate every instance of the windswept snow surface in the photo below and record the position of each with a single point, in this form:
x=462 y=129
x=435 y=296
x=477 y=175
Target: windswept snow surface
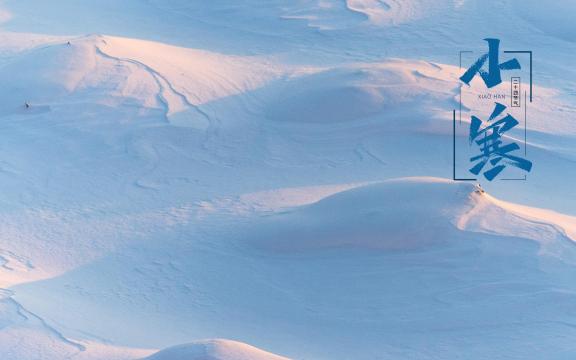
x=273 y=175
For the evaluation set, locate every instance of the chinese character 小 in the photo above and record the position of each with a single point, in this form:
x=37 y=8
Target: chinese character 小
x=492 y=76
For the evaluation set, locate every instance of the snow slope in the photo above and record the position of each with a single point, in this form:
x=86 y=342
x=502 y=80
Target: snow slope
x=214 y=350
x=274 y=173
x=355 y=264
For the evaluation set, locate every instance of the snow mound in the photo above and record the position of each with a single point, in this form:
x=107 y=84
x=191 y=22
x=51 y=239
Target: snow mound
x=387 y=215
x=214 y=350
x=74 y=75
x=394 y=90
x=391 y=216
x=138 y=76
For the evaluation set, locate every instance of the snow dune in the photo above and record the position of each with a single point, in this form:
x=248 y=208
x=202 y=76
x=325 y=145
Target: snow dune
x=358 y=92
x=380 y=217
x=385 y=217
x=115 y=72
x=214 y=350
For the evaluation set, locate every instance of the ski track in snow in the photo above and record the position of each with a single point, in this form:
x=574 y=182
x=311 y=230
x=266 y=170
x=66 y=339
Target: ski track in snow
x=8 y=304
x=163 y=85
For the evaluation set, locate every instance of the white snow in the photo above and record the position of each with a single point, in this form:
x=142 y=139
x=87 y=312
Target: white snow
x=273 y=175
x=214 y=350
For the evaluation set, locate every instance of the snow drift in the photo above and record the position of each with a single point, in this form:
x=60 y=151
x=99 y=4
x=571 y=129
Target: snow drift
x=391 y=216
x=214 y=350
